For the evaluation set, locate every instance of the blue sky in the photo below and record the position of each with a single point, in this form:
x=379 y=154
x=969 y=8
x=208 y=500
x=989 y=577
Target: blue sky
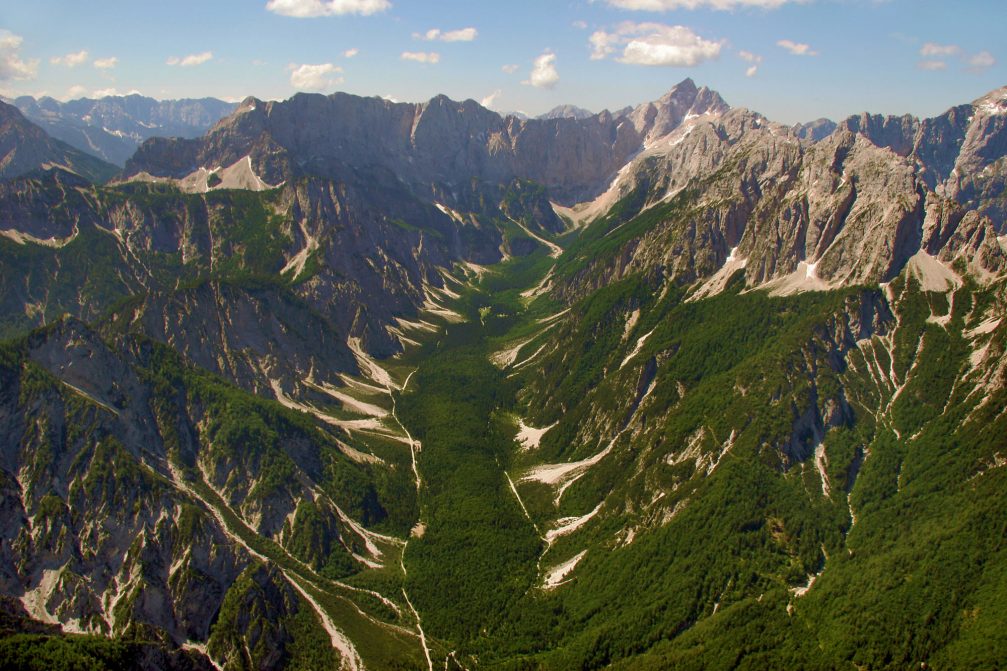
x=792 y=60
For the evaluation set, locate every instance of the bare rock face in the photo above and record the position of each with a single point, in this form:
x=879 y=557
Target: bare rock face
x=25 y=147
x=440 y=141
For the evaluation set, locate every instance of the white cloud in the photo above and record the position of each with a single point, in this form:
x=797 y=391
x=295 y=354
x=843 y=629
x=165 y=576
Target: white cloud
x=754 y=59
x=491 y=99
x=12 y=66
x=797 y=48
x=934 y=57
x=421 y=56
x=510 y=68
x=70 y=60
x=106 y=63
x=724 y=5
x=190 y=60
x=981 y=61
x=74 y=92
x=438 y=35
x=932 y=49
x=112 y=92
x=318 y=77
x=304 y=9
x=654 y=44
x=543 y=72
x=350 y=53
x=580 y=25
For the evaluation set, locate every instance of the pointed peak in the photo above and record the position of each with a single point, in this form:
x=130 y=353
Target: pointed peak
x=249 y=104
x=684 y=87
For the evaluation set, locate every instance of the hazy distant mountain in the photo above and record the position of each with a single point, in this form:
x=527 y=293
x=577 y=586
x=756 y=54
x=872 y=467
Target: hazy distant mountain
x=567 y=112
x=815 y=130
x=112 y=128
x=25 y=147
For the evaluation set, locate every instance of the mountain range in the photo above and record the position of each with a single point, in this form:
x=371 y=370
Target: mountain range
x=344 y=382
x=111 y=128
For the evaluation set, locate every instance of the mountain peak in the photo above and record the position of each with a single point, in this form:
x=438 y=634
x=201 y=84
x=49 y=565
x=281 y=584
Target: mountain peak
x=685 y=88
x=994 y=102
x=567 y=112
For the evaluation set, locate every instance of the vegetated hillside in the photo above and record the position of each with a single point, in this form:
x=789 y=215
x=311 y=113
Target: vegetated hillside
x=743 y=407
x=154 y=501
x=811 y=481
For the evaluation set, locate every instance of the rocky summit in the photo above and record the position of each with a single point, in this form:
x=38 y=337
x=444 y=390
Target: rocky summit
x=350 y=383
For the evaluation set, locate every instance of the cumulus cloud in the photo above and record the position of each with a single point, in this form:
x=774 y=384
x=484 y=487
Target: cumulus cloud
x=491 y=99
x=932 y=65
x=934 y=50
x=190 y=60
x=438 y=35
x=74 y=92
x=580 y=25
x=723 y=5
x=421 y=56
x=106 y=63
x=543 y=72
x=350 y=53
x=797 y=48
x=317 y=77
x=510 y=68
x=981 y=61
x=12 y=66
x=70 y=60
x=654 y=44
x=304 y=9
